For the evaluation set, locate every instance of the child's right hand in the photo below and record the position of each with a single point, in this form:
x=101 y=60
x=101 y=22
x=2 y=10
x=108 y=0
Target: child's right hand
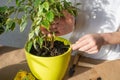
x=61 y=25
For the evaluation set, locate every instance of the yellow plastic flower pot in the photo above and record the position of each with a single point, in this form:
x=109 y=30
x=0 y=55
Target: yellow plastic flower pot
x=49 y=68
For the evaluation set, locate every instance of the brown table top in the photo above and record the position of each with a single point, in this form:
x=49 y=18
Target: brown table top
x=13 y=59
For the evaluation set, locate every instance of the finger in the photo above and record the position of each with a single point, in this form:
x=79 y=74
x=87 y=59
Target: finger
x=85 y=48
x=92 y=50
x=53 y=27
x=55 y=30
x=79 y=45
x=56 y=21
x=58 y=30
x=57 y=33
x=45 y=31
x=66 y=14
x=81 y=39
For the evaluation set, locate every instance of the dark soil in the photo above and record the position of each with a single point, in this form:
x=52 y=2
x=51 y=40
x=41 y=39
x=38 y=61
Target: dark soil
x=58 y=49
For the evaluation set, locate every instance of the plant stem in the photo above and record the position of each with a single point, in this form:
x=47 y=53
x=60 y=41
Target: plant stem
x=52 y=42
x=45 y=40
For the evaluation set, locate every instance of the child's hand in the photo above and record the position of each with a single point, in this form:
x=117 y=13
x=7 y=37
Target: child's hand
x=90 y=43
x=61 y=25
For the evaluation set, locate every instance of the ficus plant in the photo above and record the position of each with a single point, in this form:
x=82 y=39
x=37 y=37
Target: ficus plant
x=41 y=12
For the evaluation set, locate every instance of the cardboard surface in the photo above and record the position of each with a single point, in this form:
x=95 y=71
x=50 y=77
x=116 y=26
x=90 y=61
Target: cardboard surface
x=13 y=59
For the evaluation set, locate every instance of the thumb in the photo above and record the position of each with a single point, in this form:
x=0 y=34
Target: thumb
x=66 y=14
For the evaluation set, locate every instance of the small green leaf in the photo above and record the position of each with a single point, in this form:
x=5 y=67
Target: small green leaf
x=19 y=2
x=3 y=9
x=40 y=41
x=37 y=3
x=1 y=30
x=40 y=10
x=34 y=44
x=52 y=1
x=23 y=23
x=37 y=30
x=18 y=21
x=38 y=21
x=50 y=16
x=10 y=10
x=46 y=5
x=29 y=46
x=10 y=24
x=13 y=26
x=31 y=35
x=45 y=24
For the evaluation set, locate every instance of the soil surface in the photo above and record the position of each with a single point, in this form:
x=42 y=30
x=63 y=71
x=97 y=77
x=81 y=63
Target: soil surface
x=57 y=49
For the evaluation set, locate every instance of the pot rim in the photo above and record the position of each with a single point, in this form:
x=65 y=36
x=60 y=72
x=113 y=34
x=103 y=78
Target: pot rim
x=56 y=38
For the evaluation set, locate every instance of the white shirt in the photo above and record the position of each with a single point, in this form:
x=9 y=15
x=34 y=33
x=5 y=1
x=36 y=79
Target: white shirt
x=98 y=16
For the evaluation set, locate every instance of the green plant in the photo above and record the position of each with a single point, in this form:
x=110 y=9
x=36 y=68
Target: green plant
x=24 y=75
x=41 y=12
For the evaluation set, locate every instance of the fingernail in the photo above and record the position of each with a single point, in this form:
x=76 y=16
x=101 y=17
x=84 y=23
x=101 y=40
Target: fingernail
x=77 y=42
x=73 y=46
x=80 y=49
x=49 y=35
